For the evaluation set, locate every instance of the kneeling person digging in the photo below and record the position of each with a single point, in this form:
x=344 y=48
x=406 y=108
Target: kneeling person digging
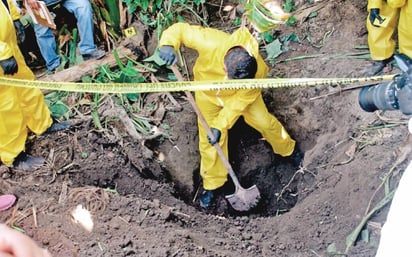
x=222 y=56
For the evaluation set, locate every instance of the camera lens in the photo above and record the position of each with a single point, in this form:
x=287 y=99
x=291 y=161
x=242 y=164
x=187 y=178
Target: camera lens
x=379 y=97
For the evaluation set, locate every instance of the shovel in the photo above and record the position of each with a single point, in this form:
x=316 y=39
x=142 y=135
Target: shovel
x=243 y=199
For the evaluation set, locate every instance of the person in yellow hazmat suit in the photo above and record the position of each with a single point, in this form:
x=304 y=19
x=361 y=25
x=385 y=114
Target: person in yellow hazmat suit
x=223 y=56
x=20 y=108
x=404 y=25
x=381 y=25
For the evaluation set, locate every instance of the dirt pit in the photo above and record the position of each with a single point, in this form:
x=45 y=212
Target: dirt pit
x=141 y=192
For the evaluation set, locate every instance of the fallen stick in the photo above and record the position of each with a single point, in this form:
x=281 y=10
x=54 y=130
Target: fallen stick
x=76 y=72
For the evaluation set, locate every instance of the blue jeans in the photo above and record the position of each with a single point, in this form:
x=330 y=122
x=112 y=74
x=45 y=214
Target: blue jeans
x=83 y=12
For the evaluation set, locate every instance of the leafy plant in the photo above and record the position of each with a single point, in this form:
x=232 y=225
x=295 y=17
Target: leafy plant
x=289 y=6
x=268 y=36
x=107 y=15
x=273 y=50
x=159 y=14
x=280 y=45
x=56 y=106
x=237 y=21
x=291 y=21
x=114 y=14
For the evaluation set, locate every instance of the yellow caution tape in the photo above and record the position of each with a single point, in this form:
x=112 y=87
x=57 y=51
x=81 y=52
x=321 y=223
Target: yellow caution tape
x=124 y=88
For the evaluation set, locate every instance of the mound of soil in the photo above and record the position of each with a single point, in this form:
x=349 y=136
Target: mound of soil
x=142 y=193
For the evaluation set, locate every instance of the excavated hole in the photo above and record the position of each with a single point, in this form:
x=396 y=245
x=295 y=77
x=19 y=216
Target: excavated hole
x=110 y=165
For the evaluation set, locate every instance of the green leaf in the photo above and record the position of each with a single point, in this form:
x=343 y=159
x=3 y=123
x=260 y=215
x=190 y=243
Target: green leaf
x=15 y=227
x=158 y=4
x=144 y=5
x=291 y=21
x=273 y=49
x=180 y=18
x=268 y=36
x=96 y=120
x=87 y=79
x=289 y=6
x=333 y=251
x=313 y=15
x=146 y=19
x=237 y=21
x=132 y=6
x=113 y=7
x=365 y=235
x=130 y=72
x=124 y=78
x=133 y=97
x=290 y=37
x=331 y=248
x=171 y=76
x=58 y=109
x=117 y=58
x=199 y=2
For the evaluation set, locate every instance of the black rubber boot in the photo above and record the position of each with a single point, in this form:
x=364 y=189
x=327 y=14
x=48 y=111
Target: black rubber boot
x=296 y=158
x=58 y=126
x=377 y=67
x=206 y=199
x=26 y=162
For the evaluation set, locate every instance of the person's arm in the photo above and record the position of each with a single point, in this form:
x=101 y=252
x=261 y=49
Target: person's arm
x=16 y=244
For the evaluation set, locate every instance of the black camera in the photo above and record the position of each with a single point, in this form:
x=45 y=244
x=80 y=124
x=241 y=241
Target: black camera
x=393 y=95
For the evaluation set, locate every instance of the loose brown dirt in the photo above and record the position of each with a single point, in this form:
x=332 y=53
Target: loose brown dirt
x=142 y=193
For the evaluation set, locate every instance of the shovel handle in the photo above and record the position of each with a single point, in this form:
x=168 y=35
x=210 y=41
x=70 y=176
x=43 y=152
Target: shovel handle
x=207 y=128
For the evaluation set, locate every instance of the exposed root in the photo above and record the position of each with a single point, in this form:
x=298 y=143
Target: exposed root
x=95 y=199
x=301 y=170
x=19 y=216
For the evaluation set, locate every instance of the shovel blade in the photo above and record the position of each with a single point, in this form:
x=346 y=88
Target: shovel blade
x=244 y=199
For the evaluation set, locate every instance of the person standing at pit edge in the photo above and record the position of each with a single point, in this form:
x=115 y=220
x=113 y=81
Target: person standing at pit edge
x=222 y=56
x=381 y=44
x=20 y=108
x=381 y=24
x=83 y=12
x=404 y=25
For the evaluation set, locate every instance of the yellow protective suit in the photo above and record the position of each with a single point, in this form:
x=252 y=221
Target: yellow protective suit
x=404 y=26
x=380 y=41
x=221 y=109
x=20 y=108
